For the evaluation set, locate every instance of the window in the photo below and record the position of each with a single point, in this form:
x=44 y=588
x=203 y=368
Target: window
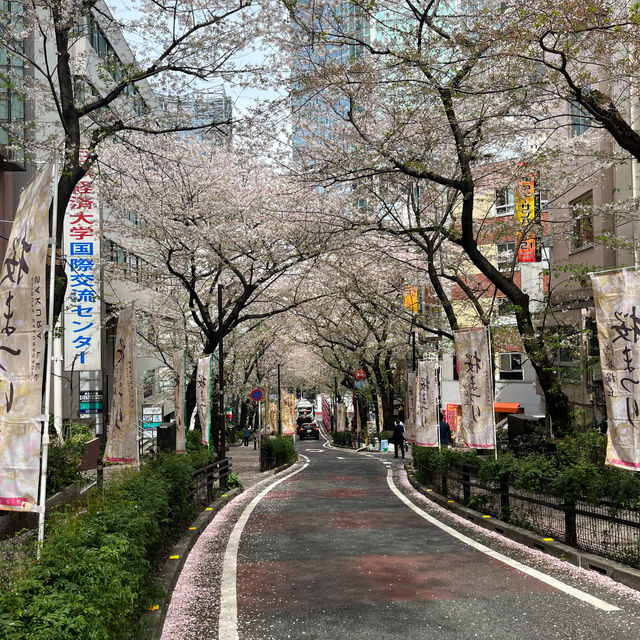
x=568 y=362
x=582 y=213
x=505 y=201
x=504 y=255
x=504 y=306
x=510 y=366
x=580 y=120
x=456 y=374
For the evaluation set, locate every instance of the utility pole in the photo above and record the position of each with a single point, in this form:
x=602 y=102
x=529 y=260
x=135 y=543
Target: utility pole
x=279 y=404
x=222 y=435
x=413 y=350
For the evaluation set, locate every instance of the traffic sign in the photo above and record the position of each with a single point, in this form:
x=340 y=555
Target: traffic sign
x=256 y=395
x=361 y=374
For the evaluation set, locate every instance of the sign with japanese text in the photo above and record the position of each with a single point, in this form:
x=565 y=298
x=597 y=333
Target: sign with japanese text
x=525 y=201
x=411 y=299
x=179 y=386
x=426 y=433
x=22 y=334
x=288 y=414
x=475 y=370
x=82 y=318
x=152 y=415
x=527 y=250
x=341 y=417
x=617 y=304
x=122 y=437
x=203 y=397
x=452 y=418
x=410 y=407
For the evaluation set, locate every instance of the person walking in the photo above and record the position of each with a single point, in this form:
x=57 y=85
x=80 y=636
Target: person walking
x=398 y=438
x=445 y=433
x=246 y=432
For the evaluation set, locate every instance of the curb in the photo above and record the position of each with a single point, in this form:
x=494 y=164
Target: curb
x=152 y=621
x=614 y=570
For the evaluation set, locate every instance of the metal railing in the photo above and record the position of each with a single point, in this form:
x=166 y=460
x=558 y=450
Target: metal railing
x=600 y=528
x=208 y=478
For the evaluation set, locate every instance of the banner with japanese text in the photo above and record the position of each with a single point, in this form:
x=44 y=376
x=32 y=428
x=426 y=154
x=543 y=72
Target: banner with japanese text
x=82 y=306
x=122 y=437
x=288 y=414
x=341 y=417
x=617 y=305
x=203 y=397
x=380 y=414
x=427 y=423
x=179 y=387
x=475 y=371
x=410 y=407
x=22 y=342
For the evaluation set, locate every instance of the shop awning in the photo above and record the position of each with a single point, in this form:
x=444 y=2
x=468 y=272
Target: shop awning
x=506 y=407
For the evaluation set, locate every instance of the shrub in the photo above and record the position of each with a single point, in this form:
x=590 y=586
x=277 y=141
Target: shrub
x=95 y=567
x=64 y=457
x=278 y=450
x=343 y=438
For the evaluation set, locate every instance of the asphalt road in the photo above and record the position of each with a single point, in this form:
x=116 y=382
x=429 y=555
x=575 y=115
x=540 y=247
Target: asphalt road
x=336 y=551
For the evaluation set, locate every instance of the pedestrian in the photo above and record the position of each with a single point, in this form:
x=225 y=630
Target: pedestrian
x=445 y=433
x=246 y=432
x=398 y=438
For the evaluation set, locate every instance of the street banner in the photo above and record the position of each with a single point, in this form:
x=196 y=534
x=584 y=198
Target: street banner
x=475 y=370
x=288 y=414
x=326 y=413
x=411 y=298
x=203 y=397
x=179 y=390
x=341 y=417
x=525 y=201
x=82 y=317
x=452 y=418
x=122 y=436
x=616 y=297
x=380 y=414
x=427 y=424
x=22 y=331
x=410 y=407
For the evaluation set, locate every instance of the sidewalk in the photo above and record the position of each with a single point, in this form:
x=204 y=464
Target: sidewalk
x=245 y=461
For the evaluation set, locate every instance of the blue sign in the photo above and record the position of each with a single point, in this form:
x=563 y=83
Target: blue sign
x=256 y=395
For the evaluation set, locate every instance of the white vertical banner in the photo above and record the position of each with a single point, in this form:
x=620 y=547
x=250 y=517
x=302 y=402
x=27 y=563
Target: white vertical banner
x=410 y=407
x=179 y=375
x=122 y=437
x=82 y=304
x=475 y=370
x=203 y=397
x=428 y=421
x=617 y=304
x=22 y=329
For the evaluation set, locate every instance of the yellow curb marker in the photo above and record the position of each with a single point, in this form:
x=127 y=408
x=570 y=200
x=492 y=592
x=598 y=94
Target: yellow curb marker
x=173 y=557
x=155 y=607
x=192 y=528
x=450 y=501
x=548 y=539
x=429 y=489
x=486 y=516
x=209 y=509
x=224 y=495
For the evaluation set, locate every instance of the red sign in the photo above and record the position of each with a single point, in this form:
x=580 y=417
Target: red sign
x=256 y=395
x=361 y=374
x=527 y=250
x=452 y=418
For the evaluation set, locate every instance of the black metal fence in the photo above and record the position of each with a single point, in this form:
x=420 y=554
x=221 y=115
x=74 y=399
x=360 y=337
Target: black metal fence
x=597 y=528
x=207 y=479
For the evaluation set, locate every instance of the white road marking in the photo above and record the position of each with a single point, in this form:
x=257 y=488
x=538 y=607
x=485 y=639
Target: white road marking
x=553 y=582
x=315 y=450
x=341 y=458
x=228 y=620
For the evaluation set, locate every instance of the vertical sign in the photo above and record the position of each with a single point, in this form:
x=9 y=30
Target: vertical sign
x=411 y=298
x=427 y=425
x=82 y=302
x=22 y=328
x=617 y=305
x=122 y=437
x=452 y=418
x=179 y=375
x=526 y=215
x=203 y=397
x=477 y=429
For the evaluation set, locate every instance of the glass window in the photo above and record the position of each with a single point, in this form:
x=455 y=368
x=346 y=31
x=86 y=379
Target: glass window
x=582 y=213
x=580 y=120
x=504 y=255
x=505 y=201
x=510 y=366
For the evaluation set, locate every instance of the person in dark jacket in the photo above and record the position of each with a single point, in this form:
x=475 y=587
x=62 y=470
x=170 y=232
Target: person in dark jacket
x=246 y=432
x=398 y=438
x=445 y=433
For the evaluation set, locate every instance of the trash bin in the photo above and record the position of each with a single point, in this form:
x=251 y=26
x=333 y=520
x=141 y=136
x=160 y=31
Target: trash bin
x=167 y=436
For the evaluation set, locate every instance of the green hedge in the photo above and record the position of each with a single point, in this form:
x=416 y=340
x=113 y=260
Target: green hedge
x=576 y=469
x=278 y=450
x=93 y=577
x=343 y=438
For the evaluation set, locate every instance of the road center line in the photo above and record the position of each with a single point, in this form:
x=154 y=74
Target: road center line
x=228 y=620
x=534 y=573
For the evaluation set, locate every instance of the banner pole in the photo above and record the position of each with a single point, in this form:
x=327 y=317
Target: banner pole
x=42 y=499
